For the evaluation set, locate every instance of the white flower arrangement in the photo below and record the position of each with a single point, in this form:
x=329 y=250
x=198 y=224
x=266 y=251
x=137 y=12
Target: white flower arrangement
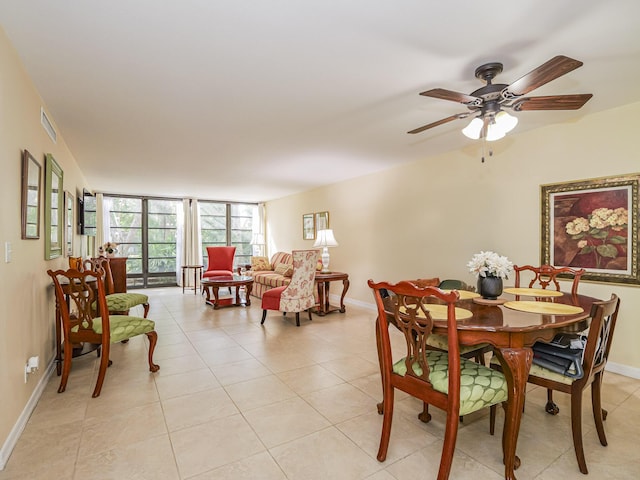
x=108 y=248
x=490 y=264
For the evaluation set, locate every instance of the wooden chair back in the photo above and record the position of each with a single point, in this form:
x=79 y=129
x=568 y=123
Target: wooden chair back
x=546 y=275
x=102 y=265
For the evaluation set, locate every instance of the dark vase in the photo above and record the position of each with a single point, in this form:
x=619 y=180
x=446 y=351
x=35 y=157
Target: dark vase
x=490 y=287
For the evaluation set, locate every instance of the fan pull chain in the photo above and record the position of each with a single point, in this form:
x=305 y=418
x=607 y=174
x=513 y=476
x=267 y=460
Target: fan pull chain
x=484 y=146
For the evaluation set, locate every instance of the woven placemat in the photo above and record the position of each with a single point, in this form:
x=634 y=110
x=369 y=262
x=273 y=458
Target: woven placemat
x=464 y=294
x=439 y=312
x=546 y=308
x=532 y=292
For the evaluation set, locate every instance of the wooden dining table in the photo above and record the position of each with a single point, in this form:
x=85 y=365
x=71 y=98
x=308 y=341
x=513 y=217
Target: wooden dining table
x=512 y=334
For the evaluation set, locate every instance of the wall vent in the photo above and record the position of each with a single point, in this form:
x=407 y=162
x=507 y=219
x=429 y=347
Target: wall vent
x=48 y=126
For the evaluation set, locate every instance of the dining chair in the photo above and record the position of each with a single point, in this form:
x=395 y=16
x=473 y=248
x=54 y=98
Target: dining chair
x=604 y=315
x=443 y=379
x=121 y=302
x=543 y=277
x=76 y=292
x=546 y=275
x=298 y=295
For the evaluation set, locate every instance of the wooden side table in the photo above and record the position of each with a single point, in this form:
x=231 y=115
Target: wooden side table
x=323 y=281
x=197 y=274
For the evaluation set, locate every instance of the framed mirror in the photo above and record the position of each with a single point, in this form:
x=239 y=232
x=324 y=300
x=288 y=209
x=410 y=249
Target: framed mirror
x=53 y=209
x=69 y=207
x=30 y=197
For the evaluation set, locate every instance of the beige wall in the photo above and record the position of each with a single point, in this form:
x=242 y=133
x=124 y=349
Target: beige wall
x=26 y=300
x=428 y=218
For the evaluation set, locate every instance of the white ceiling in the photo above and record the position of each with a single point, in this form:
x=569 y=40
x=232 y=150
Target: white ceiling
x=255 y=100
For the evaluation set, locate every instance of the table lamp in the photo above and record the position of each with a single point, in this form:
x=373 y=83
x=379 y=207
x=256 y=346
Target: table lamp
x=325 y=239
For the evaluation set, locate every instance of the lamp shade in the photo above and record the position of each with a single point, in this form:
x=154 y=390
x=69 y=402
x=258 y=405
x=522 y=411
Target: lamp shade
x=325 y=238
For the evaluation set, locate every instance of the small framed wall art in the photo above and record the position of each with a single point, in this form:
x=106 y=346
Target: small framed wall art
x=308 y=227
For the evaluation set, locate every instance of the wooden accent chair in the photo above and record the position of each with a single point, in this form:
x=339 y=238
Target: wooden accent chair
x=76 y=292
x=298 y=296
x=545 y=275
x=604 y=315
x=117 y=303
x=432 y=376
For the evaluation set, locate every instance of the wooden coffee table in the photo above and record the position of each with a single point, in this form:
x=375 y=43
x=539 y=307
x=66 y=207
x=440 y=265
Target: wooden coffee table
x=237 y=281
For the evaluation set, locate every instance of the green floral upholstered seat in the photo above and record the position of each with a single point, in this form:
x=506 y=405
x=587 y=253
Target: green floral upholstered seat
x=480 y=387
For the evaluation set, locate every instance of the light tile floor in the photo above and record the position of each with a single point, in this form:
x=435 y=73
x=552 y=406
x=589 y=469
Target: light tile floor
x=237 y=400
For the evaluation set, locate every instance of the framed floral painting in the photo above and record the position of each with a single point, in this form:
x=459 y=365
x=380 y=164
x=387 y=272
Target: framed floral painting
x=593 y=224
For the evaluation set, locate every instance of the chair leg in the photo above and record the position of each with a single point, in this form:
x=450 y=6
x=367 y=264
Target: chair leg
x=386 y=422
x=599 y=414
x=146 y=309
x=66 y=366
x=102 y=371
x=309 y=312
x=492 y=419
x=576 y=430
x=425 y=416
x=153 y=339
x=297 y=319
x=448 y=447
x=264 y=316
x=551 y=408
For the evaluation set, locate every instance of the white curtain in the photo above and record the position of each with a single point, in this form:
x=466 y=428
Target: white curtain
x=188 y=238
x=103 y=222
x=257 y=237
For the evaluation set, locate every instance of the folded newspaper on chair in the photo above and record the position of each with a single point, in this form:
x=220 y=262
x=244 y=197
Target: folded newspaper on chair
x=562 y=355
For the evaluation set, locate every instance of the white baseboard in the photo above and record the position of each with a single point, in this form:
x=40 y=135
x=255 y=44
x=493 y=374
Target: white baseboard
x=625 y=370
x=16 y=431
x=612 y=367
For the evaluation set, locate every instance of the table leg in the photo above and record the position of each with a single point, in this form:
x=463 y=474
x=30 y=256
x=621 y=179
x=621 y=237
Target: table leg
x=247 y=292
x=516 y=363
x=183 y=278
x=345 y=287
x=216 y=300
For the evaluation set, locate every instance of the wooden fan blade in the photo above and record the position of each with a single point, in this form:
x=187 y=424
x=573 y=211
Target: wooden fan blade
x=554 y=68
x=439 y=122
x=553 y=102
x=444 y=94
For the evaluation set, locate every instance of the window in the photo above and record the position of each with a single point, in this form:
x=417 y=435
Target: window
x=145 y=230
x=227 y=224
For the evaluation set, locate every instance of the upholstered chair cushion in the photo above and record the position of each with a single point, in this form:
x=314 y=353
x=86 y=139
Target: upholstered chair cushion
x=480 y=387
x=124 y=326
x=271 y=298
x=121 y=302
x=441 y=342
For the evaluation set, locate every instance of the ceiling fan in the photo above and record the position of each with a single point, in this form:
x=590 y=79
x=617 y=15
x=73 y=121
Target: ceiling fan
x=491 y=121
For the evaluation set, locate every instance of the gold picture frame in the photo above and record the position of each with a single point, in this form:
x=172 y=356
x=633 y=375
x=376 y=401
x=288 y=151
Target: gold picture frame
x=593 y=224
x=308 y=227
x=322 y=221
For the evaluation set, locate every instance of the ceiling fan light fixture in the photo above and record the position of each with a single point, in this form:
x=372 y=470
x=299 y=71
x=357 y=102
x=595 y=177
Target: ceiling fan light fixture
x=506 y=122
x=474 y=128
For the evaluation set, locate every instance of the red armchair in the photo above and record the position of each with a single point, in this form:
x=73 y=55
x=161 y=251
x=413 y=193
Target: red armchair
x=220 y=261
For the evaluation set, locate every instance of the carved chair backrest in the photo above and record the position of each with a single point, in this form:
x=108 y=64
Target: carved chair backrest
x=76 y=292
x=406 y=307
x=604 y=316
x=546 y=275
